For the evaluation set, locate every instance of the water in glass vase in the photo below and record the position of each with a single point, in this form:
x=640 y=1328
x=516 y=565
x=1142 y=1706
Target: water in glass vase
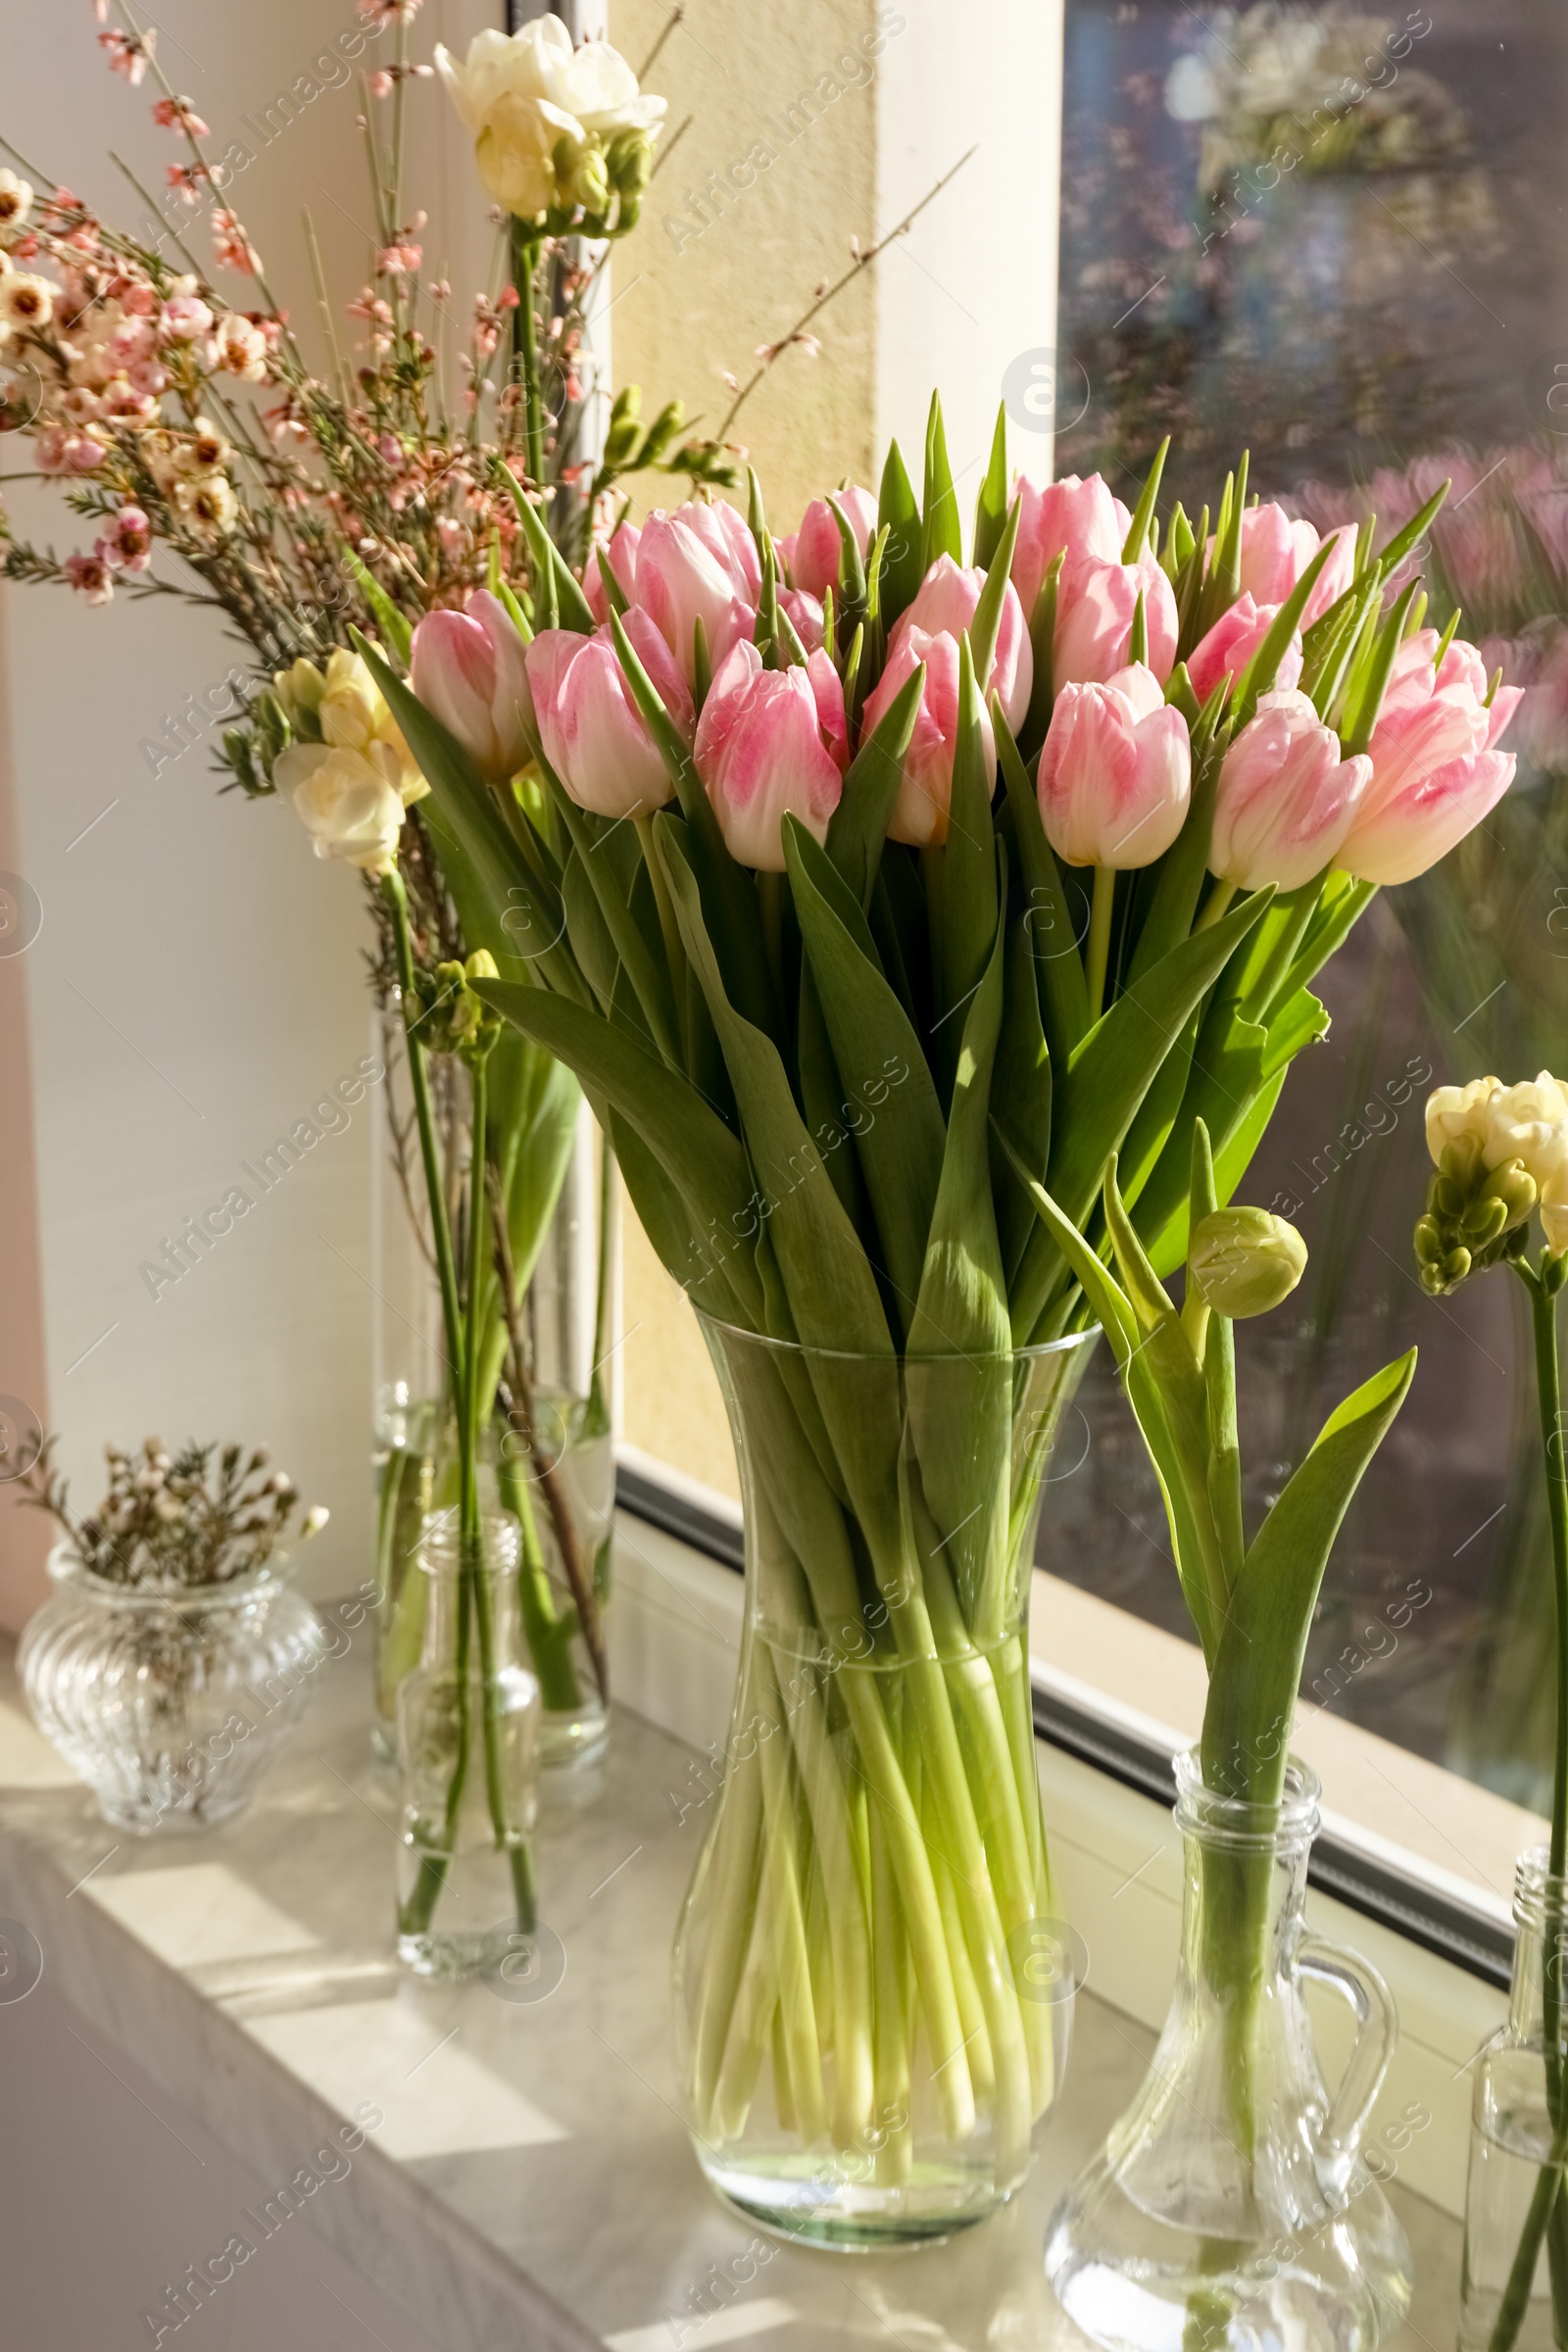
x=468 y=1760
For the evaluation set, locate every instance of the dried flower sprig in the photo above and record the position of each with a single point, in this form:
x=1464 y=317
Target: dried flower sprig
x=176 y=1520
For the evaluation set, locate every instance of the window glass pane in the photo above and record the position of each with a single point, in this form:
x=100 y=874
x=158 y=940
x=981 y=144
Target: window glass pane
x=1333 y=238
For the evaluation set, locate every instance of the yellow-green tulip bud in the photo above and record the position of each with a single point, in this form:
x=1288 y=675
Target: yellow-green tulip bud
x=1244 y=1262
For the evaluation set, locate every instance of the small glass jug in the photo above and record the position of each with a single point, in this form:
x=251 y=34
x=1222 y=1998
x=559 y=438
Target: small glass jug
x=468 y=1759
x=1230 y=2207
x=1516 y=2218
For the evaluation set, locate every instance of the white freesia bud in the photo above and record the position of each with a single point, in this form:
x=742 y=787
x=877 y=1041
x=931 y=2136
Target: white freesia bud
x=315 y=1518
x=1244 y=1262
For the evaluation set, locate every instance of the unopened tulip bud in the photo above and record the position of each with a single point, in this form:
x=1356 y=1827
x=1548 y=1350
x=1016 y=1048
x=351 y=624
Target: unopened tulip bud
x=1244 y=1262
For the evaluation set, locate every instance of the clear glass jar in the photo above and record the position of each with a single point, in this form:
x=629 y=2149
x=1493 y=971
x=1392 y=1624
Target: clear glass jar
x=1230 y=2208
x=468 y=1758
x=870 y=2018
x=1516 y=2215
x=170 y=1702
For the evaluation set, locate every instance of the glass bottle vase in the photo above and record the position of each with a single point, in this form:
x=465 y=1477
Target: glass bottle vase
x=1230 y=2208
x=1515 y=2267
x=468 y=1758
x=548 y=1456
x=871 y=2011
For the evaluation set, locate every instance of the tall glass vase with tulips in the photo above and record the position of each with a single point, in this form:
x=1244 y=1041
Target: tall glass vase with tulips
x=798 y=880
x=1500 y=1156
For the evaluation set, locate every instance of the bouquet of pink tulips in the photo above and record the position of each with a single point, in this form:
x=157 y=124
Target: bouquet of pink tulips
x=1037 y=853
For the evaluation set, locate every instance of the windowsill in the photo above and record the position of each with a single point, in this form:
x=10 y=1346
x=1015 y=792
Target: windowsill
x=1419 y=1820
x=533 y=2176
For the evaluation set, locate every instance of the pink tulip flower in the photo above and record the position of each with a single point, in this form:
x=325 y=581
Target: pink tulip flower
x=804 y=617
x=1231 y=644
x=469 y=669
x=1094 y=620
x=925 y=790
x=622 y=554
x=693 y=566
x=590 y=728
x=1115 y=772
x=762 y=751
x=1287 y=796
x=1436 y=768
x=1070 y=517
x=1276 y=551
x=944 y=605
x=812 y=552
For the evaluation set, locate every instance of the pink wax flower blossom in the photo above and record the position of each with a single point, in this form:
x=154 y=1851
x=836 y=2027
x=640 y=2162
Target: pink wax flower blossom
x=470 y=668
x=241 y=348
x=1276 y=551
x=811 y=553
x=399 y=261
x=185 y=318
x=232 y=247
x=944 y=605
x=1287 y=796
x=763 y=753
x=804 y=617
x=128 y=53
x=1115 y=772
x=590 y=728
x=1436 y=768
x=692 y=567
x=925 y=790
x=61 y=450
x=1095 y=614
x=179 y=113
x=622 y=555
x=91 y=577
x=1231 y=644
x=127 y=544
x=1070 y=517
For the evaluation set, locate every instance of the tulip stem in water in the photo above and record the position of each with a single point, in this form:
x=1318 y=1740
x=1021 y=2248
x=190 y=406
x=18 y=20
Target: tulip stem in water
x=1100 y=936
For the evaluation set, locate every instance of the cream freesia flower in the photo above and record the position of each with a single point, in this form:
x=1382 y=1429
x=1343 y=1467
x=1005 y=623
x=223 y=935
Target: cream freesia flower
x=533 y=104
x=1529 y=1122
x=1457 y=1110
x=353 y=716
x=345 y=801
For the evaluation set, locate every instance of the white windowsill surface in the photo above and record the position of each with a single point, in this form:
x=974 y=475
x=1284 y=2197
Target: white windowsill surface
x=533 y=2181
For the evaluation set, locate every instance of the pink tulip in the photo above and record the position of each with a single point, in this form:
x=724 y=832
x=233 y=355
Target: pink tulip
x=590 y=728
x=804 y=617
x=469 y=669
x=925 y=790
x=1070 y=517
x=1287 y=796
x=1276 y=551
x=622 y=554
x=693 y=566
x=762 y=751
x=945 y=606
x=815 y=550
x=1231 y=644
x=1115 y=772
x=1094 y=620
x=1436 y=770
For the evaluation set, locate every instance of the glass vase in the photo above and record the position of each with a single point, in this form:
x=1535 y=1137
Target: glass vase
x=1230 y=2207
x=1515 y=2267
x=548 y=1454
x=170 y=1702
x=871 y=2011
x=468 y=1757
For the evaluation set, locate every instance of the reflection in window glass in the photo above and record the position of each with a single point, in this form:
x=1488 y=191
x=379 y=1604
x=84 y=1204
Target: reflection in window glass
x=1335 y=237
